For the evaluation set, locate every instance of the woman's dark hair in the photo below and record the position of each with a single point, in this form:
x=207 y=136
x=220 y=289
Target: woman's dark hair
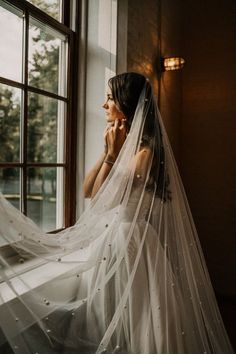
x=126 y=89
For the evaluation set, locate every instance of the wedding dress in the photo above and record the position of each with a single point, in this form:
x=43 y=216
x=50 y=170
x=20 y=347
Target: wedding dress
x=129 y=277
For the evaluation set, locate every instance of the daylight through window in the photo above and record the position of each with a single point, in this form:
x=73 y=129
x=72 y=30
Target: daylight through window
x=35 y=107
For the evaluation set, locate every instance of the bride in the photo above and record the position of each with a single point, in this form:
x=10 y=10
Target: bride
x=129 y=277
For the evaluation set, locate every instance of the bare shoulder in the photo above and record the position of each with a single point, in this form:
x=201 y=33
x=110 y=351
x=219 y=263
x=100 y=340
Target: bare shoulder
x=144 y=153
x=145 y=150
x=143 y=156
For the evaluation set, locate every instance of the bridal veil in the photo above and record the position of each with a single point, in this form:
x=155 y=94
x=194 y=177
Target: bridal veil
x=128 y=277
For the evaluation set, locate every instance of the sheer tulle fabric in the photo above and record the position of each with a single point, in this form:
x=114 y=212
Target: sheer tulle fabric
x=128 y=277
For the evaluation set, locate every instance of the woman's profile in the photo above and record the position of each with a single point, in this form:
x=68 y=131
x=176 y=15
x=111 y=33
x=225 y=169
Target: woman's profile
x=129 y=277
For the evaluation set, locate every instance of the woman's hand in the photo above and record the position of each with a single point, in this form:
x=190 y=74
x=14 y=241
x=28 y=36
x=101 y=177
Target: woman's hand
x=115 y=137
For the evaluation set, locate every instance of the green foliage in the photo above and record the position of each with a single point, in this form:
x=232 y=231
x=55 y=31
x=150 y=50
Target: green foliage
x=9 y=124
x=42 y=110
x=49 y=6
x=42 y=113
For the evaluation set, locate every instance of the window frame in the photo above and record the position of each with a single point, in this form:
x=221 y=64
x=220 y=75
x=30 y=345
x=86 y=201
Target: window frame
x=69 y=163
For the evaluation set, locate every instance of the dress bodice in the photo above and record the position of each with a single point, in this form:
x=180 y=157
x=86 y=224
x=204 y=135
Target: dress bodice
x=138 y=203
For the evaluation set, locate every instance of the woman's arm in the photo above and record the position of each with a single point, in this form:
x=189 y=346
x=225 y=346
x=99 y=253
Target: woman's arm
x=141 y=164
x=115 y=137
x=102 y=174
x=92 y=175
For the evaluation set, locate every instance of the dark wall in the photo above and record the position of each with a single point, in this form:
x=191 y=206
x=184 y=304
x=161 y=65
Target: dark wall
x=142 y=38
x=198 y=105
x=171 y=41
x=208 y=132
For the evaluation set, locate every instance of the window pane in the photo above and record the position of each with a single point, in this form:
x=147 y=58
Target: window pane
x=11 y=46
x=47 y=58
x=45 y=129
x=51 y=7
x=45 y=195
x=10 y=117
x=10 y=185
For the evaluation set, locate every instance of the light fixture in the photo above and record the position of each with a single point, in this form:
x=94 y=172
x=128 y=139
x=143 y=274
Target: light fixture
x=172 y=63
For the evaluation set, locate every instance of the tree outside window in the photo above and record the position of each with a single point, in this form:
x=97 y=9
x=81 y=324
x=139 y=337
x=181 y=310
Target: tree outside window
x=34 y=106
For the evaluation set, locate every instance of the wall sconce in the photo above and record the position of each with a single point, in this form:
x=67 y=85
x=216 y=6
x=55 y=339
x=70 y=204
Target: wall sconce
x=172 y=63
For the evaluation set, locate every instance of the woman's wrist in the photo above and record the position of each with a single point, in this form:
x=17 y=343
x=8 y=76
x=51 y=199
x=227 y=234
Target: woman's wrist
x=111 y=157
x=109 y=162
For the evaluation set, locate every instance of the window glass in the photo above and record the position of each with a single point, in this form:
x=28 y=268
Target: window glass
x=10 y=121
x=10 y=185
x=47 y=58
x=51 y=7
x=45 y=129
x=11 y=42
x=45 y=196
x=35 y=111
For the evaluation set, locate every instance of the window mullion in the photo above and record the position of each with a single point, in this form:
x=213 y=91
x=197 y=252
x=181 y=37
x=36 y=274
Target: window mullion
x=25 y=116
x=70 y=138
x=66 y=12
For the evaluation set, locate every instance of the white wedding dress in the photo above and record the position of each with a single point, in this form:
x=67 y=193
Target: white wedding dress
x=129 y=277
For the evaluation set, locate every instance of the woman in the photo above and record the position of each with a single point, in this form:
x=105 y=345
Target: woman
x=129 y=276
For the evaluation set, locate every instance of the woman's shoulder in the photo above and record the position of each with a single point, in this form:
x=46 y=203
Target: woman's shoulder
x=144 y=151
x=143 y=157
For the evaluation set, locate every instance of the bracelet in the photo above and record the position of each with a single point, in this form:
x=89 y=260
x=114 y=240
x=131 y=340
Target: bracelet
x=109 y=162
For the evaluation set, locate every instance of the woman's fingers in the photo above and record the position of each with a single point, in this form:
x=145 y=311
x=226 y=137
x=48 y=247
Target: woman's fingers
x=117 y=131
x=106 y=130
x=123 y=124
x=116 y=125
x=116 y=136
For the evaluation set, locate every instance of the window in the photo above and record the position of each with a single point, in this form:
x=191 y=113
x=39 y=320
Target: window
x=37 y=129
x=51 y=7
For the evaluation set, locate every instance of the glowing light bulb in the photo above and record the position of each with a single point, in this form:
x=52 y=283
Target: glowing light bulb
x=172 y=63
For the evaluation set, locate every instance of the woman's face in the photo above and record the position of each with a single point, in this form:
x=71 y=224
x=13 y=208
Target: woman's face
x=111 y=109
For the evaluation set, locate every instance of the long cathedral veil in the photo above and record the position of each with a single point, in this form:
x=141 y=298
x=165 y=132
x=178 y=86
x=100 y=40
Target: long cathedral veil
x=128 y=277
